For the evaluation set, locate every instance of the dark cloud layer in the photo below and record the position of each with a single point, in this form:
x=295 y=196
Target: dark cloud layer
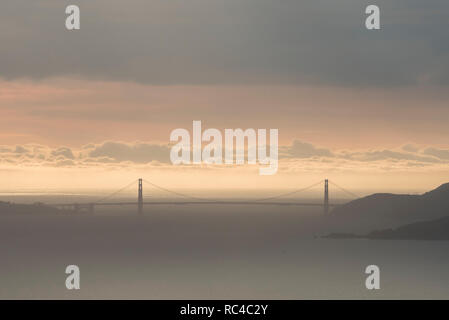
x=228 y=41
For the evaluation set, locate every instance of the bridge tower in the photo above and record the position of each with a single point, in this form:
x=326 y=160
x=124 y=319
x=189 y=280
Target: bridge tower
x=326 y=196
x=140 y=199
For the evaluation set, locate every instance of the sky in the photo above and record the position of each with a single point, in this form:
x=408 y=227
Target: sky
x=95 y=107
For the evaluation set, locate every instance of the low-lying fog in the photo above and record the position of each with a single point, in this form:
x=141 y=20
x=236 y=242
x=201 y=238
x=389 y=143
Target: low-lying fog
x=211 y=252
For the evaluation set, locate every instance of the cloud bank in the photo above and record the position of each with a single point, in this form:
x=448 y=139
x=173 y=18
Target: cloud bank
x=222 y=42
x=298 y=155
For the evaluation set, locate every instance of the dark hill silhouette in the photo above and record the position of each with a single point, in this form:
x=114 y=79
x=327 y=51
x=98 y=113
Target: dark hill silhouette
x=426 y=230
x=391 y=210
x=442 y=192
x=8 y=208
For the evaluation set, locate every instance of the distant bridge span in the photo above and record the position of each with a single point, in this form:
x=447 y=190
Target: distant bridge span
x=90 y=207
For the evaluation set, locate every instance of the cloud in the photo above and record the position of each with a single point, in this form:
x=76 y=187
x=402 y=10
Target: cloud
x=20 y=149
x=63 y=151
x=138 y=152
x=410 y=147
x=64 y=163
x=377 y=155
x=410 y=154
x=210 y=42
x=300 y=149
x=299 y=156
x=107 y=153
x=442 y=154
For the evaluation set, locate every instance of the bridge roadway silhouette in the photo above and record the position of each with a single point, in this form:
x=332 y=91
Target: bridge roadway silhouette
x=90 y=207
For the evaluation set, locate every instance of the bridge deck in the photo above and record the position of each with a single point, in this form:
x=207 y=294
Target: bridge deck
x=193 y=203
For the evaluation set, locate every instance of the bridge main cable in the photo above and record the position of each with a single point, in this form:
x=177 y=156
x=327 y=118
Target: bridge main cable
x=221 y=201
x=179 y=193
x=344 y=190
x=116 y=192
x=289 y=193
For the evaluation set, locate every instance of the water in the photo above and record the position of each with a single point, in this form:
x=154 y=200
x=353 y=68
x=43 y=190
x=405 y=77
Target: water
x=209 y=252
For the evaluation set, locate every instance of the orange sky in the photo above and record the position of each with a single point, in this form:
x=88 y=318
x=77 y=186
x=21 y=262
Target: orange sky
x=76 y=112
x=367 y=108
x=362 y=137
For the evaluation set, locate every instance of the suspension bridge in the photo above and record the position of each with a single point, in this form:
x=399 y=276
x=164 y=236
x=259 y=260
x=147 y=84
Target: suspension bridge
x=192 y=200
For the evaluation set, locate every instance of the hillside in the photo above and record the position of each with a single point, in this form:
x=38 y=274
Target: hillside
x=391 y=210
x=428 y=230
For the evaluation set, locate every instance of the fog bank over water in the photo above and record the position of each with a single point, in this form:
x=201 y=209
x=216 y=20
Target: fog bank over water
x=239 y=252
